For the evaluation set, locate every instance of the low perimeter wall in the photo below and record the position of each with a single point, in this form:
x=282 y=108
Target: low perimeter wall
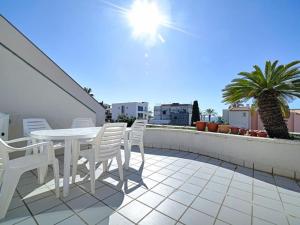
x=281 y=157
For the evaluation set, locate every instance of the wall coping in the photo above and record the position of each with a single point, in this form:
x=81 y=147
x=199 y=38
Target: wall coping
x=225 y=136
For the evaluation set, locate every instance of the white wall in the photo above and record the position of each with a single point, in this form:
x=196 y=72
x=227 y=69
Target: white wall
x=271 y=155
x=225 y=115
x=18 y=44
x=240 y=119
x=31 y=85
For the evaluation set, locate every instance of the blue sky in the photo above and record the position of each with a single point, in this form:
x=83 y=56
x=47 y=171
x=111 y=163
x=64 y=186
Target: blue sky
x=94 y=44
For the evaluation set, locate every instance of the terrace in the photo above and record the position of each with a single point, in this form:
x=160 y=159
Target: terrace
x=169 y=187
x=187 y=177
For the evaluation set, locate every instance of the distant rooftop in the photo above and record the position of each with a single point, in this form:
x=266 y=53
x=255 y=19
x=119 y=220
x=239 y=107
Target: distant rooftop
x=175 y=104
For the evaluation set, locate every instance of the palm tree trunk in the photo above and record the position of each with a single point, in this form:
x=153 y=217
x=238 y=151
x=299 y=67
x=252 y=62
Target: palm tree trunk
x=271 y=116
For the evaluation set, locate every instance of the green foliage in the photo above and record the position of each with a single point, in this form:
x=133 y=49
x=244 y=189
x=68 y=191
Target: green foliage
x=210 y=112
x=89 y=91
x=220 y=120
x=283 y=81
x=195 y=113
x=126 y=119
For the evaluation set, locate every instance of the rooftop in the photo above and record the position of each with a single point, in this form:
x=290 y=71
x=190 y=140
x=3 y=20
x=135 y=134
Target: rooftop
x=170 y=187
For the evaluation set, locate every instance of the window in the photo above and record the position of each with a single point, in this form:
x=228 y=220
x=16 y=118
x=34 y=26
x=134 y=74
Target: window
x=164 y=112
x=140 y=108
x=122 y=109
x=140 y=115
x=244 y=114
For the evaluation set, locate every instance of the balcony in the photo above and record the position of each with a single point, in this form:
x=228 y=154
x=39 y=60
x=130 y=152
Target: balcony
x=170 y=187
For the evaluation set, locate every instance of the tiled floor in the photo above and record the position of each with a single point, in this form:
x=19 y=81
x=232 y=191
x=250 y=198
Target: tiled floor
x=170 y=187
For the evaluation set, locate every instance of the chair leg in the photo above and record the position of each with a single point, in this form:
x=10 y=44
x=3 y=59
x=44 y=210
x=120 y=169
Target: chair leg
x=74 y=163
x=105 y=163
x=42 y=172
x=141 y=145
x=56 y=176
x=10 y=181
x=120 y=166
x=92 y=171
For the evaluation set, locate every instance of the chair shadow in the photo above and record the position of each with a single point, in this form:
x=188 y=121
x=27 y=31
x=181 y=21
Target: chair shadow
x=32 y=192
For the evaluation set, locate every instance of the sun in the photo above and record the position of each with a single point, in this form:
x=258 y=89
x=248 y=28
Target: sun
x=145 y=18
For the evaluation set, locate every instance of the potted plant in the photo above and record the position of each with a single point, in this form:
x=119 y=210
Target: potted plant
x=224 y=128
x=212 y=126
x=234 y=130
x=262 y=133
x=253 y=133
x=243 y=131
x=200 y=125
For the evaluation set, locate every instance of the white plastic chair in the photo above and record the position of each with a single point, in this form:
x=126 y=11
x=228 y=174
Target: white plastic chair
x=82 y=122
x=12 y=169
x=136 y=136
x=105 y=146
x=33 y=124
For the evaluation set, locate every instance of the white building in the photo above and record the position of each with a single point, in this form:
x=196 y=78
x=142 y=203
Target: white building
x=138 y=110
x=238 y=117
x=33 y=86
x=173 y=114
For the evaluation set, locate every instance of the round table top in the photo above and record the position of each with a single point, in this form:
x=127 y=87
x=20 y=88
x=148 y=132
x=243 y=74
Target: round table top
x=72 y=133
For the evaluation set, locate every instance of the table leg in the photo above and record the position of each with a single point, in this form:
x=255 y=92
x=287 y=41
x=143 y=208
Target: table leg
x=42 y=171
x=127 y=150
x=75 y=155
x=67 y=165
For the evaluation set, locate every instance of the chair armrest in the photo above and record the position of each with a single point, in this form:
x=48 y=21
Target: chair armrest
x=18 y=140
x=13 y=149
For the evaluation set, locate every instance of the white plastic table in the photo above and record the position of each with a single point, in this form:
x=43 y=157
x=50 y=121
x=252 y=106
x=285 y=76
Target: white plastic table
x=71 y=138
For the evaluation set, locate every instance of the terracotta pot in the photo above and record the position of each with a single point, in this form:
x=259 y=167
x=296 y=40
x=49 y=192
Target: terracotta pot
x=253 y=133
x=262 y=134
x=201 y=125
x=234 y=130
x=224 y=128
x=212 y=127
x=243 y=131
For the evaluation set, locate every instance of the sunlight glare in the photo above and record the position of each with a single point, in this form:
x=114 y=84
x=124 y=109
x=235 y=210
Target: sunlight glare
x=145 y=18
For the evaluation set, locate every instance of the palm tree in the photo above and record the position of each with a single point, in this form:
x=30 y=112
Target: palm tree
x=271 y=90
x=236 y=104
x=89 y=91
x=210 y=112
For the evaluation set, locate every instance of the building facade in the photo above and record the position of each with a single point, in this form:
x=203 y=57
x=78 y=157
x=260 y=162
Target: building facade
x=107 y=108
x=138 y=110
x=173 y=114
x=238 y=117
x=243 y=117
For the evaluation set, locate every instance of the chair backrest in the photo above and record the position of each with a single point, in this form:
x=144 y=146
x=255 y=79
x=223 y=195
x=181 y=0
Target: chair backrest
x=138 y=128
x=108 y=140
x=82 y=122
x=4 y=157
x=33 y=124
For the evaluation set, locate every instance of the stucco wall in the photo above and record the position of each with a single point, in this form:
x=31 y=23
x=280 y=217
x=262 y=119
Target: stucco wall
x=293 y=122
x=24 y=93
x=32 y=85
x=240 y=119
x=17 y=43
x=280 y=157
